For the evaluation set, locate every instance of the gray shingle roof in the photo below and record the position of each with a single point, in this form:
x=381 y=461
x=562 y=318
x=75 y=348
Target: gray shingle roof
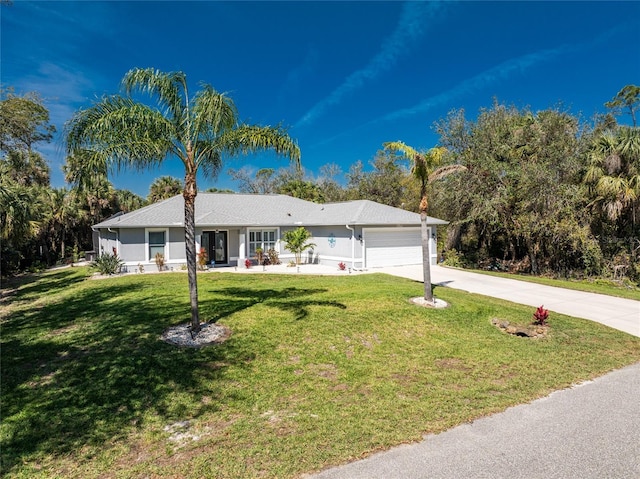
x=225 y=209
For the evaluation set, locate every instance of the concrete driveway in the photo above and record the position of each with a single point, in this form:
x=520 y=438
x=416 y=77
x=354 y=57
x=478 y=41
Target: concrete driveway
x=618 y=313
x=590 y=431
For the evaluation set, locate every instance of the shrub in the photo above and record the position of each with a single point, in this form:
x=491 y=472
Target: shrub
x=259 y=255
x=159 y=261
x=342 y=266
x=541 y=316
x=202 y=258
x=453 y=258
x=274 y=258
x=107 y=264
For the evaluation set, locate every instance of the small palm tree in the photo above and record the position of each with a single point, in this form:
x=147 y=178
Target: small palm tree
x=296 y=241
x=120 y=131
x=425 y=167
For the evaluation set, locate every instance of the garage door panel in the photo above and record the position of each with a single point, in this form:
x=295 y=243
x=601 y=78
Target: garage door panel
x=393 y=247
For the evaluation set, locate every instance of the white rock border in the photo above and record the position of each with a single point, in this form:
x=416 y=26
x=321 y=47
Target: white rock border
x=210 y=333
x=437 y=303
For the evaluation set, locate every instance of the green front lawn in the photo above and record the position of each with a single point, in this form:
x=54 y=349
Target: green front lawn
x=318 y=371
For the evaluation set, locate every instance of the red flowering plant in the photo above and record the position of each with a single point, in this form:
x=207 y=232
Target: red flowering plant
x=541 y=316
x=202 y=258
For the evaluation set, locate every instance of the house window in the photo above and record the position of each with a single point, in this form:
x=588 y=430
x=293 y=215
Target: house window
x=157 y=241
x=265 y=239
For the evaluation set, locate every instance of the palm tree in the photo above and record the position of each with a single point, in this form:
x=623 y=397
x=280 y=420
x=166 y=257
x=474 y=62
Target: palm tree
x=198 y=130
x=163 y=188
x=425 y=167
x=613 y=175
x=296 y=241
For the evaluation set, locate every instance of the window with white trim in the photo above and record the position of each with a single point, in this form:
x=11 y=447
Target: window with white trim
x=265 y=239
x=156 y=243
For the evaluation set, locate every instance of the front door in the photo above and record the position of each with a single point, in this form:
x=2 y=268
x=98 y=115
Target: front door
x=217 y=249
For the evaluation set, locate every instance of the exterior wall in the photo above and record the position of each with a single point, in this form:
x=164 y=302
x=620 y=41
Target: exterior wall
x=107 y=241
x=132 y=245
x=233 y=243
x=176 y=249
x=333 y=246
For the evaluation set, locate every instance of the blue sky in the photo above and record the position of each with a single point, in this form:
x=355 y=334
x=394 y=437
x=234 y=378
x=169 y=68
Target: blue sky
x=343 y=76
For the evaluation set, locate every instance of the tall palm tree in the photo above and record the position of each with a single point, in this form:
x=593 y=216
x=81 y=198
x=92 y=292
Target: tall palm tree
x=425 y=167
x=197 y=130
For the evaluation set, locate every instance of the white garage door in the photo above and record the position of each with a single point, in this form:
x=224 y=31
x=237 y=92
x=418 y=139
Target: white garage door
x=392 y=247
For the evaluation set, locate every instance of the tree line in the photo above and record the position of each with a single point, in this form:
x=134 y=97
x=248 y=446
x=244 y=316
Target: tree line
x=542 y=192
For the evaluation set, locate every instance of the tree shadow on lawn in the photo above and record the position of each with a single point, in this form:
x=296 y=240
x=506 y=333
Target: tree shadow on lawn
x=88 y=369
x=286 y=299
x=50 y=282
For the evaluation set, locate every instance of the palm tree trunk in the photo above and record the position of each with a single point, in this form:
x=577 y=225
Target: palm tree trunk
x=189 y=195
x=426 y=260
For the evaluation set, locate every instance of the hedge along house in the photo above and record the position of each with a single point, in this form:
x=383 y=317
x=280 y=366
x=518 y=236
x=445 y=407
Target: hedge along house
x=361 y=234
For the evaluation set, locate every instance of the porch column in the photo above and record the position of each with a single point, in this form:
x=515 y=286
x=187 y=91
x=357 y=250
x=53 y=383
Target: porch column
x=242 y=254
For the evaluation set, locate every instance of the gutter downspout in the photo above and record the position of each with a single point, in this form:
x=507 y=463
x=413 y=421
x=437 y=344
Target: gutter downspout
x=353 y=246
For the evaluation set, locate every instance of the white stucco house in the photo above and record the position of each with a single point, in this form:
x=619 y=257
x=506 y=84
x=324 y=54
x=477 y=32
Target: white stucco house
x=362 y=234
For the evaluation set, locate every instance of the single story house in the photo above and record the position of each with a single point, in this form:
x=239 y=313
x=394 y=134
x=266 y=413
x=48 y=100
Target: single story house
x=361 y=234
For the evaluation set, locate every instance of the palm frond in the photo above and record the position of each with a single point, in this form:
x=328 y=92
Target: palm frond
x=123 y=132
x=400 y=147
x=444 y=171
x=170 y=88
x=629 y=143
x=213 y=113
x=252 y=139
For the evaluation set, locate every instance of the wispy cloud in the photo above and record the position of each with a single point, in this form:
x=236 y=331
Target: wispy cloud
x=488 y=77
x=500 y=72
x=410 y=27
x=296 y=76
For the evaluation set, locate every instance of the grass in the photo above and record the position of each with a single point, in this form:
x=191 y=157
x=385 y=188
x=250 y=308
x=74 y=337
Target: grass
x=619 y=289
x=318 y=371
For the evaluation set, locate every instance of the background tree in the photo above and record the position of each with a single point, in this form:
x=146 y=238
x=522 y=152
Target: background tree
x=24 y=121
x=426 y=167
x=24 y=177
x=522 y=199
x=198 y=130
x=627 y=99
x=297 y=241
x=263 y=183
x=128 y=201
x=164 y=188
x=385 y=183
x=332 y=190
